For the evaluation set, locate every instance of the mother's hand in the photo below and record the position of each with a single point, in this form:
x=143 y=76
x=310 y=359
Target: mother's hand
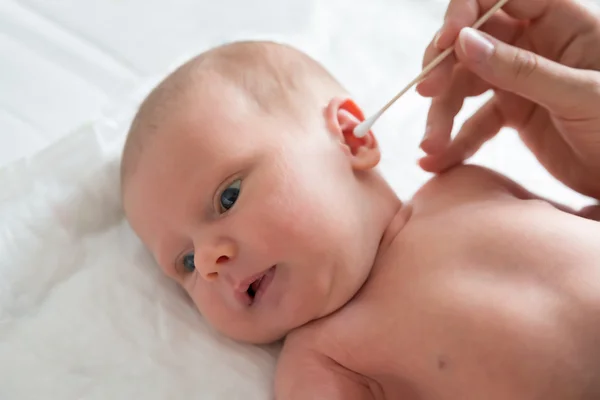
x=546 y=84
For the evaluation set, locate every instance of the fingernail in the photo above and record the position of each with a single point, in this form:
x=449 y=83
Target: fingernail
x=475 y=46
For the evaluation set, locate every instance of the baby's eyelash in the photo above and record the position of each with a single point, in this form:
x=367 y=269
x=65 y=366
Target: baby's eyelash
x=187 y=263
x=179 y=266
x=231 y=192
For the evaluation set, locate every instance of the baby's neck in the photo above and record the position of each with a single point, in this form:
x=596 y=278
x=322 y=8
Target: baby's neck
x=394 y=227
x=387 y=217
x=388 y=213
x=398 y=216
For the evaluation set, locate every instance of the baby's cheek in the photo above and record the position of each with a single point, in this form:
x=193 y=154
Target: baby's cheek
x=277 y=217
x=212 y=307
x=294 y=227
x=291 y=211
x=205 y=300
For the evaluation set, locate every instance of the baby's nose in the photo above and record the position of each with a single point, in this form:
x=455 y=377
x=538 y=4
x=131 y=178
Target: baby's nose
x=210 y=259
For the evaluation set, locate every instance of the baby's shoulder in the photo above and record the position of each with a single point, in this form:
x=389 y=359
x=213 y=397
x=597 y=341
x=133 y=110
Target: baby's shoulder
x=472 y=181
x=468 y=184
x=469 y=204
x=317 y=336
x=328 y=337
x=308 y=370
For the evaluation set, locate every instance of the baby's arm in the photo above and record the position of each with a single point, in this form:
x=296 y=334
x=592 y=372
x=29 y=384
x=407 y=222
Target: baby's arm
x=305 y=375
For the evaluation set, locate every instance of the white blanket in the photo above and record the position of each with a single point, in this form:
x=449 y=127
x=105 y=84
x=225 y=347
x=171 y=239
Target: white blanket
x=84 y=311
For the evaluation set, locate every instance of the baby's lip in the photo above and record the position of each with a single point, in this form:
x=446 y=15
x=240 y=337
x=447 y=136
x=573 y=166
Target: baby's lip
x=242 y=286
x=241 y=289
x=265 y=282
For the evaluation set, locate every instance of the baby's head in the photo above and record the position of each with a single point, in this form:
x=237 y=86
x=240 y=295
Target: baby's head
x=241 y=176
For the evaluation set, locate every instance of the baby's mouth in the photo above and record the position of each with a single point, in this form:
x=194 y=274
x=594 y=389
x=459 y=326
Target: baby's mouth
x=253 y=288
x=258 y=285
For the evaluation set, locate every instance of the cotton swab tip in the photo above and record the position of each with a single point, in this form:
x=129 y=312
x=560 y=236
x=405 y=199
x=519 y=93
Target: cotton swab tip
x=364 y=127
x=361 y=130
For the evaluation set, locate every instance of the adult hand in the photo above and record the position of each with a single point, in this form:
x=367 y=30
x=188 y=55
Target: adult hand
x=542 y=60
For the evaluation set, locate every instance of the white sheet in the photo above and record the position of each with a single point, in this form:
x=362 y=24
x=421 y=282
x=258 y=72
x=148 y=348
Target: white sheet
x=84 y=312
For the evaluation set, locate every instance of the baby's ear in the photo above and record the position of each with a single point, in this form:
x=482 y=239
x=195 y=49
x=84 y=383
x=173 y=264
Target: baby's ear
x=343 y=115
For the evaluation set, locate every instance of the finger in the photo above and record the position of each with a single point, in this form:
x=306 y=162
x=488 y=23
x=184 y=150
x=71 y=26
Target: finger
x=480 y=128
x=440 y=119
x=464 y=13
x=440 y=122
x=557 y=87
x=438 y=80
x=459 y=14
x=444 y=109
x=501 y=26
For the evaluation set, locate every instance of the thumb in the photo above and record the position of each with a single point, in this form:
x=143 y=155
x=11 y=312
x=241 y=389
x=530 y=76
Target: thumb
x=547 y=83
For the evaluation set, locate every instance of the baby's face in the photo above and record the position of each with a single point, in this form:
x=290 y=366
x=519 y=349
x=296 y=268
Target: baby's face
x=254 y=215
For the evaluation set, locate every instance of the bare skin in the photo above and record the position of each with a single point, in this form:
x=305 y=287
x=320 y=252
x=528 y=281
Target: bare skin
x=537 y=58
x=484 y=292
x=275 y=228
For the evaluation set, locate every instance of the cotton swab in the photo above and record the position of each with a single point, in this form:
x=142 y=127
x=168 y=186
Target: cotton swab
x=364 y=127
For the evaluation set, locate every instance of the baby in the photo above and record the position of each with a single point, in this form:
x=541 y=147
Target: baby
x=242 y=177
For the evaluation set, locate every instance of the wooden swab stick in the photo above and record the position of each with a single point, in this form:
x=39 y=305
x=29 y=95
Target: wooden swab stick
x=364 y=127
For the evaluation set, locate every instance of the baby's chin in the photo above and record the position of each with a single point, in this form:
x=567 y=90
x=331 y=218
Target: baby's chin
x=257 y=337
x=325 y=297
x=263 y=337
x=268 y=333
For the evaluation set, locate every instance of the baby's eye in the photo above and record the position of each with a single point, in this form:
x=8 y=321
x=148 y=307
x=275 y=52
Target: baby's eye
x=229 y=196
x=188 y=262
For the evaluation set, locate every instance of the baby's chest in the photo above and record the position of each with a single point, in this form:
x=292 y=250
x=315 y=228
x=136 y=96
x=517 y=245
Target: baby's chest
x=392 y=330
x=429 y=330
